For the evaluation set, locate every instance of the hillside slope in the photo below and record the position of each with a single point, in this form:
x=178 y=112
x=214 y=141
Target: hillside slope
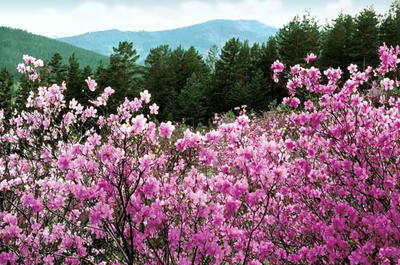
x=14 y=43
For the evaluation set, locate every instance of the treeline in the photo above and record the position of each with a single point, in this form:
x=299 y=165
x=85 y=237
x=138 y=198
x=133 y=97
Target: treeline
x=190 y=88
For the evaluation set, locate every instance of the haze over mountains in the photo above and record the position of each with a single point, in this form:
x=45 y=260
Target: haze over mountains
x=201 y=36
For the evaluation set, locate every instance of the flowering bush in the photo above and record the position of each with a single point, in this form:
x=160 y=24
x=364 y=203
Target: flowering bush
x=77 y=187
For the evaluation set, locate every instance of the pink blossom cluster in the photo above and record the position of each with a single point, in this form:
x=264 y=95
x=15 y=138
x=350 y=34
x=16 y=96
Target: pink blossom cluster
x=30 y=66
x=311 y=57
x=277 y=67
x=103 y=98
x=317 y=186
x=92 y=84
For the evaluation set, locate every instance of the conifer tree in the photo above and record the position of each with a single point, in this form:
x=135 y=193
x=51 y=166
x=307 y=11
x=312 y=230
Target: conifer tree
x=6 y=83
x=227 y=70
x=336 y=43
x=191 y=101
x=365 y=39
x=74 y=81
x=123 y=72
x=390 y=26
x=297 y=38
x=58 y=71
x=212 y=57
x=158 y=77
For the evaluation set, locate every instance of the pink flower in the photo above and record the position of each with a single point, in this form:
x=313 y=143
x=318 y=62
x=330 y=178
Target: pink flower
x=33 y=77
x=352 y=68
x=145 y=163
x=91 y=84
x=166 y=129
x=230 y=208
x=21 y=68
x=292 y=102
x=145 y=96
x=108 y=91
x=387 y=84
x=64 y=161
x=49 y=260
x=310 y=57
x=154 y=109
x=8 y=258
x=277 y=67
x=28 y=59
x=38 y=63
x=107 y=153
x=138 y=124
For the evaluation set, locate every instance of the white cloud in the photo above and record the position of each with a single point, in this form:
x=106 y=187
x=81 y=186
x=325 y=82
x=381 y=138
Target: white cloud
x=341 y=5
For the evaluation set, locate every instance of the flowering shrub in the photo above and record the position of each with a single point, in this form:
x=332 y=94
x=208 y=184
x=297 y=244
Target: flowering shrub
x=77 y=187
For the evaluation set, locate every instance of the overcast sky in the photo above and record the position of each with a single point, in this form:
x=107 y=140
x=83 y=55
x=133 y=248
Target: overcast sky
x=56 y=18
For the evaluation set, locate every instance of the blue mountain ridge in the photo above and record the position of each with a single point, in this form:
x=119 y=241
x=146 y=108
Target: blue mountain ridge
x=202 y=36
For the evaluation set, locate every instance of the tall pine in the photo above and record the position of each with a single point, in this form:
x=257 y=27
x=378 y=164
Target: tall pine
x=297 y=38
x=58 y=71
x=336 y=43
x=75 y=87
x=390 y=26
x=123 y=72
x=365 y=39
x=6 y=83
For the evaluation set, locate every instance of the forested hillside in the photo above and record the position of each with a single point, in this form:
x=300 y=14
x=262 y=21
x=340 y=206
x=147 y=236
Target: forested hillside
x=14 y=43
x=191 y=87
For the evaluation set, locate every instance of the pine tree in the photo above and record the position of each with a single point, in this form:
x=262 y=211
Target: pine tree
x=227 y=74
x=212 y=57
x=176 y=62
x=390 y=26
x=123 y=72
x=86 y=72
x=101 y=75
x=269 y=54
x=23 y=90
x=158 y=77
x=365 y=40
x=6 y=83
x=297 y=38
x=191 y=101
x=74 y=81
x=336 y=43
x=58 y=71
x=257 y=94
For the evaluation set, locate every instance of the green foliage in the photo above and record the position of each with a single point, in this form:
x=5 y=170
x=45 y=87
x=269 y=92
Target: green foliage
x=6 y=83
x=390 y=25
x=297 y=38
x=58 y=71
x=158 y=77
x=123 y=73
x=336 y=39
x=212 y=57
x=14 y=43
x=74 y=81
x=190 y=88
x=229 y=72
x=191 y=101
x=366 y=38
x=167 y=78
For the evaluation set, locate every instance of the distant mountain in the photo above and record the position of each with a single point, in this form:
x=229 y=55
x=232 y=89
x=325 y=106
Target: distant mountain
x=14 y=43
x=202 y=36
